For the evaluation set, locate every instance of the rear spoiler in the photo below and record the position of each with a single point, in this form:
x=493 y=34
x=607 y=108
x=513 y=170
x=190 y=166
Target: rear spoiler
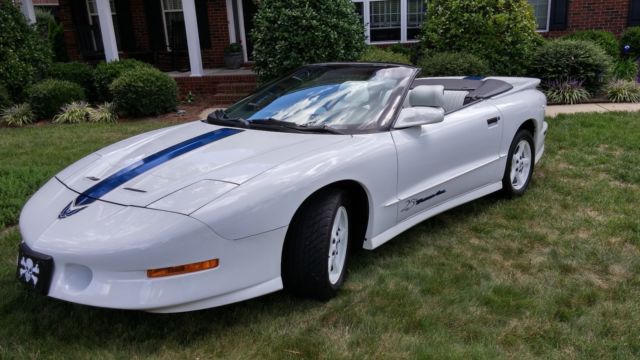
x=518 y=84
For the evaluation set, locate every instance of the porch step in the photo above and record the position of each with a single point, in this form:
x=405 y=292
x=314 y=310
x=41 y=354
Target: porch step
x=235 y=88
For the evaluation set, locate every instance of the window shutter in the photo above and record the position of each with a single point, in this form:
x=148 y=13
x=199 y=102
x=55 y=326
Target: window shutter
x=202 y=15
x=125 y=27
x=559 y=12
x=153 y=13
x=634 y=13
x=80 y=18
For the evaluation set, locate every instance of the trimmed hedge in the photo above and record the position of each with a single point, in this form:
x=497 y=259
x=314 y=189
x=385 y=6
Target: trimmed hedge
x=572 y=60
x=503 y=33
x=144 y=92
x=604 y=39
x=453 y=64
x=48 y=96
x=79 y=73
x=290 y=33
x=376 y=54
x=106 y=73
x=24 y=55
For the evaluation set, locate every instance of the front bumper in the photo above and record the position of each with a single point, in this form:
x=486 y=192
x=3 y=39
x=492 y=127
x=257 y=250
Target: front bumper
x=101 y=255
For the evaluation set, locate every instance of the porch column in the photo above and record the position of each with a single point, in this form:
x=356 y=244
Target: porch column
x=28 y=11
x=193 y=37
x=107 y=31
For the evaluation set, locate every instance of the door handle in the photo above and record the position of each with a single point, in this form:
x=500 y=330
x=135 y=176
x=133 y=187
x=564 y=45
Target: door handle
x=493 y=121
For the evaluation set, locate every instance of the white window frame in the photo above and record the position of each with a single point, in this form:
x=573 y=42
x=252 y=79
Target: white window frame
x=164 y=21
x=366 y=15
x=546 y=29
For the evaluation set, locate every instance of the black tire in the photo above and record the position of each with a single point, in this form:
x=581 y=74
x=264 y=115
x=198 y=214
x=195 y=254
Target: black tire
x=508 y=187
x=305 y=268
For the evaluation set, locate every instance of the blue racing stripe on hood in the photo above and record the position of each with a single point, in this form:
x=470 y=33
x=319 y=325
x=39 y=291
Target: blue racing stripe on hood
x=114 y=181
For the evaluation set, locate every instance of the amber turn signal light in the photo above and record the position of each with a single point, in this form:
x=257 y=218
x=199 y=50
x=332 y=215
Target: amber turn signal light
x=183 y=269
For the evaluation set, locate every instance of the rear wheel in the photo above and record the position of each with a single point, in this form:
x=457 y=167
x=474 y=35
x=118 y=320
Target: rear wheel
x=520 y=162
x=316 y=250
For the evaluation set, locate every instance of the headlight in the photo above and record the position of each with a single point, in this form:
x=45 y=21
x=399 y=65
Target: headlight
x=193 y=197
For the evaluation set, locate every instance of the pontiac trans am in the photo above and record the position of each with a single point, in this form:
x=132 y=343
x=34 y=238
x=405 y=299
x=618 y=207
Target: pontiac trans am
x=277 y=190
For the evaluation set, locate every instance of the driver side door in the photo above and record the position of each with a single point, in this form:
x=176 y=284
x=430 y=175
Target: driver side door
x=442 y=161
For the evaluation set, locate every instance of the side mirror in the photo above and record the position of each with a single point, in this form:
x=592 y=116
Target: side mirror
x=418 y=116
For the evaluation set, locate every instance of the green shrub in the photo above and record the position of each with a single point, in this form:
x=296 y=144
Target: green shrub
x=631 y=38
x=233 y=48
x=401 y=49
x=604 y=39
x=623 y=91
x=564 y=60
x=625 y=69
x=290 y=33
x=43 y=18
x=48 y=96
x=5 y=99
x=566 y=92
x=24 y=56
x=144 y=92
x=16 y=115
x=503 y=33
x=106 y=73
x=104 y=113
x=376 y=54
x=453 y=64
x=73 y=113
x=51 y=32
x=79 y=73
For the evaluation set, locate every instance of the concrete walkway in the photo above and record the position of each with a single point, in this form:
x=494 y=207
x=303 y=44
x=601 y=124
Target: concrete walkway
x=554 y=110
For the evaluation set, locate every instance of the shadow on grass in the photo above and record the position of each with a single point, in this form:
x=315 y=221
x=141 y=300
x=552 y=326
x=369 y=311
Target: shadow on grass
x=27 y=316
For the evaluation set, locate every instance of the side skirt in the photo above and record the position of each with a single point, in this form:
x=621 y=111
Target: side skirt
x=420 y=217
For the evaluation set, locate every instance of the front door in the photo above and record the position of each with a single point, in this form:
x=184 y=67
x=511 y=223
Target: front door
x=442 y=161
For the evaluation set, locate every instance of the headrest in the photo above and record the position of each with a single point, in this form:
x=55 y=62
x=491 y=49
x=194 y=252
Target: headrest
x=427 y=95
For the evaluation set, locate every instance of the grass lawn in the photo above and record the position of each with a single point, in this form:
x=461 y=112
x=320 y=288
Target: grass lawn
x=553 y=274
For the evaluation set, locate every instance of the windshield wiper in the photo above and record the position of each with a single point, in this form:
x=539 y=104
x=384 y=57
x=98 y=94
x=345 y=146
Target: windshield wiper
x=220 y=116
x=293 y=126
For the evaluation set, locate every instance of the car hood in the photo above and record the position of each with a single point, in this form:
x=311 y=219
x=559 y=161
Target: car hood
x=146 y=168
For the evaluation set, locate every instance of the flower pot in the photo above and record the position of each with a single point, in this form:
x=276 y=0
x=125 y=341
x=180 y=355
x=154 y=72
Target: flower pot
x=233 y=60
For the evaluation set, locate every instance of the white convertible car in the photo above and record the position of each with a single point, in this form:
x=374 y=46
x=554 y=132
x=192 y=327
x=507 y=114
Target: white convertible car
x=277 y=190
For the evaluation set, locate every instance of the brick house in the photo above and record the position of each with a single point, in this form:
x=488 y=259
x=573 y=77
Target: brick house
x=189 y=36
x=559 y=17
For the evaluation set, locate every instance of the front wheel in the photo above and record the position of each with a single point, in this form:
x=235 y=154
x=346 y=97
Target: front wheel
x=520 y=162
x=316 y=250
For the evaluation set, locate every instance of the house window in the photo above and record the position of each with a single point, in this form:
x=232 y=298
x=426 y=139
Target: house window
x=541 y=9
x=384 y=22
x=175 y=35
x=390 y=21
x=94 y=22
x=415 y=17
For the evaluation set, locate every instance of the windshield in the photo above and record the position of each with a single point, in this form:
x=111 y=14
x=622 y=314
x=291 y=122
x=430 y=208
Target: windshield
x=344 y=97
